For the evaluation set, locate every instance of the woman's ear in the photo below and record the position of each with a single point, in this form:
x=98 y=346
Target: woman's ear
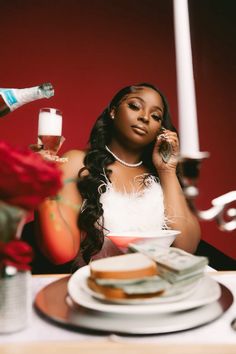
x=112 y=113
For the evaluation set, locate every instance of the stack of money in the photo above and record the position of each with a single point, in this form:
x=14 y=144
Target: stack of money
x=138 y=286
x=174 y=265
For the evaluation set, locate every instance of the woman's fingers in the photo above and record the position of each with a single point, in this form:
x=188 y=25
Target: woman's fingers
x=48 y=155
x=44 y=153
x=35 y=147
x=170 y=137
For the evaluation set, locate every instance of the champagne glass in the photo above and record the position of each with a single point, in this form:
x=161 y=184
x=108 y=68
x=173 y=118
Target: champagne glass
x=50 y=132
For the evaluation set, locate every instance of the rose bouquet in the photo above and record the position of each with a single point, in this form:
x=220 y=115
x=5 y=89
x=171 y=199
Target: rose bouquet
x=25 y=181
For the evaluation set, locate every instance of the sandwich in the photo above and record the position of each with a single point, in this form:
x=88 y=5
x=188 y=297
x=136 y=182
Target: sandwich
x=128 y=276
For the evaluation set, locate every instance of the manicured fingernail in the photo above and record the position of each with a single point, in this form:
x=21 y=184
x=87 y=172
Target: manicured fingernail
x=161 y=136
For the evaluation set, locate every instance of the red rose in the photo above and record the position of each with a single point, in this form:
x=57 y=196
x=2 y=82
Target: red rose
x=16 y=253
x=26 y=179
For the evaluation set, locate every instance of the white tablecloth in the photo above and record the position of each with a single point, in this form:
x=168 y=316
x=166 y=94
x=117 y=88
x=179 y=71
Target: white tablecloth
x=216 y=332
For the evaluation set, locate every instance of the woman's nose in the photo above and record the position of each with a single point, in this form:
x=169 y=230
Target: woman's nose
x=144 y=117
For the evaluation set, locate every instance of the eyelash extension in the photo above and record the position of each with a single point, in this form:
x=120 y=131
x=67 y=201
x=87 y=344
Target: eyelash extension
x=157 y=118
x=133 y=106
x=136 y=107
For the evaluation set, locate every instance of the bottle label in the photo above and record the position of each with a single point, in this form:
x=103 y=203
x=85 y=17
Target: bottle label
x=4 y=109
x=9 y=96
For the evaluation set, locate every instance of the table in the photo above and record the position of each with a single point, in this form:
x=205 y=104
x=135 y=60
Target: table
x=42 y=336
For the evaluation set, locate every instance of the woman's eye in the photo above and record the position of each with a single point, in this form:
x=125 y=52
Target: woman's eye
x=156 y=117
x=134 y=106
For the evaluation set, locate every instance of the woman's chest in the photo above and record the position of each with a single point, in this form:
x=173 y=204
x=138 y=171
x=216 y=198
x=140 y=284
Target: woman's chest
x=128 y=180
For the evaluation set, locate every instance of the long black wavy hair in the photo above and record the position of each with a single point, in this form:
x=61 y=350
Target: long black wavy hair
x=96 y=160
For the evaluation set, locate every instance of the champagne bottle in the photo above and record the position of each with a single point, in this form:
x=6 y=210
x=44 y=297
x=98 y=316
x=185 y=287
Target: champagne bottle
x=11 y=99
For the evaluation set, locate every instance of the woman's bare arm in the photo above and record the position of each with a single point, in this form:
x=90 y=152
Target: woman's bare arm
x=57 y=218
x=178 y=213
x=176 y=208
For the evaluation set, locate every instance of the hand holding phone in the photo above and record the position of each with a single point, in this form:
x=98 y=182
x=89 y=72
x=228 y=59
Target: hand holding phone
x=165 y=148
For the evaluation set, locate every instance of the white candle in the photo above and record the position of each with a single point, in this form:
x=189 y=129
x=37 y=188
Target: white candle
x=50 y=123
x=188 y=127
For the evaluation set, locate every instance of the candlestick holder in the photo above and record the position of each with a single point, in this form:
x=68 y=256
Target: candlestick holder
x=221 y=210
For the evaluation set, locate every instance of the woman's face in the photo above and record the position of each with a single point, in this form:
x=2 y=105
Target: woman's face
x=138 y=118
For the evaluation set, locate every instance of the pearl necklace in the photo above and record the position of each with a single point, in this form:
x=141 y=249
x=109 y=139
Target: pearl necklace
x=123 y=162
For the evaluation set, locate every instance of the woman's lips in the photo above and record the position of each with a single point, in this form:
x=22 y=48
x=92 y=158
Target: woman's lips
x=139 y=129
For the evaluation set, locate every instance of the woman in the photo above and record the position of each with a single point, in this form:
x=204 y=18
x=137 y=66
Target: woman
x=122 y=166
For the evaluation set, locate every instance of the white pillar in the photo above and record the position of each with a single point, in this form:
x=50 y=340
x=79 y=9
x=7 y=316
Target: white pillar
x=188 y=127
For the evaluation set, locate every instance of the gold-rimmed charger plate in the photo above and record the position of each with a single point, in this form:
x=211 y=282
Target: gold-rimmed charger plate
x=54 y=304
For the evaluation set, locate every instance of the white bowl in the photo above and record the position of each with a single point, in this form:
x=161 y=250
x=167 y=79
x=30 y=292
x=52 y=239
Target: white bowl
x=162 y=238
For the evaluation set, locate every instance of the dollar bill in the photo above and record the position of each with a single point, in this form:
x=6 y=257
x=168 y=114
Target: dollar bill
x=149 y=285
x=146 y=285
x=183 y=279
x=121 y=282
x=171 y=260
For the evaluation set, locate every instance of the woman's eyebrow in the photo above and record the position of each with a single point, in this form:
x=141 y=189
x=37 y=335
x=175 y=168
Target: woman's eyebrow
x=139 y=98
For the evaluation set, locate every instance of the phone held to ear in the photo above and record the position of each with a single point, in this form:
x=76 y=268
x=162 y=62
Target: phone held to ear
x=165 y=148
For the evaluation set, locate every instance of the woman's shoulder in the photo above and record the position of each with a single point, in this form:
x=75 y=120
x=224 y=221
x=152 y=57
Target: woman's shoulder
x=75 y=155
x=75 y=161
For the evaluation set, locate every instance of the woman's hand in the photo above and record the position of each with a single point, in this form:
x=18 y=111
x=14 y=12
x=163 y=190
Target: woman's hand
x=49 y=154
x=167 y=136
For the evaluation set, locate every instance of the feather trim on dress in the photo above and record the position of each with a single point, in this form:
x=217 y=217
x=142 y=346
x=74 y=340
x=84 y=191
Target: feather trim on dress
x=140 y=211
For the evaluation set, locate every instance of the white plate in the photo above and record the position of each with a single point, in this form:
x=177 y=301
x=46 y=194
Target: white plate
x=206 y=291
x=171 y=295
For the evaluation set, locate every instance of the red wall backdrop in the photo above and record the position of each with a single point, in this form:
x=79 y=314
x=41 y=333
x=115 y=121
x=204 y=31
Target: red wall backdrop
x=89 y=49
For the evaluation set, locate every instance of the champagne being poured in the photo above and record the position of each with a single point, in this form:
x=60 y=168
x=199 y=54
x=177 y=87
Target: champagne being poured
x=11 y=99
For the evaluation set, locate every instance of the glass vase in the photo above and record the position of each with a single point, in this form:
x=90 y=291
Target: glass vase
x=15 y=299
x=15 y=284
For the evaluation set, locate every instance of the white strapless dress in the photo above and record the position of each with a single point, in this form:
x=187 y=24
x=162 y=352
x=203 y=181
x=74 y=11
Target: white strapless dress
x=141 y=211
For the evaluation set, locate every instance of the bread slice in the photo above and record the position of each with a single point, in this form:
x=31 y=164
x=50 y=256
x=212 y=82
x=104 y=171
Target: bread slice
x=127 y=266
